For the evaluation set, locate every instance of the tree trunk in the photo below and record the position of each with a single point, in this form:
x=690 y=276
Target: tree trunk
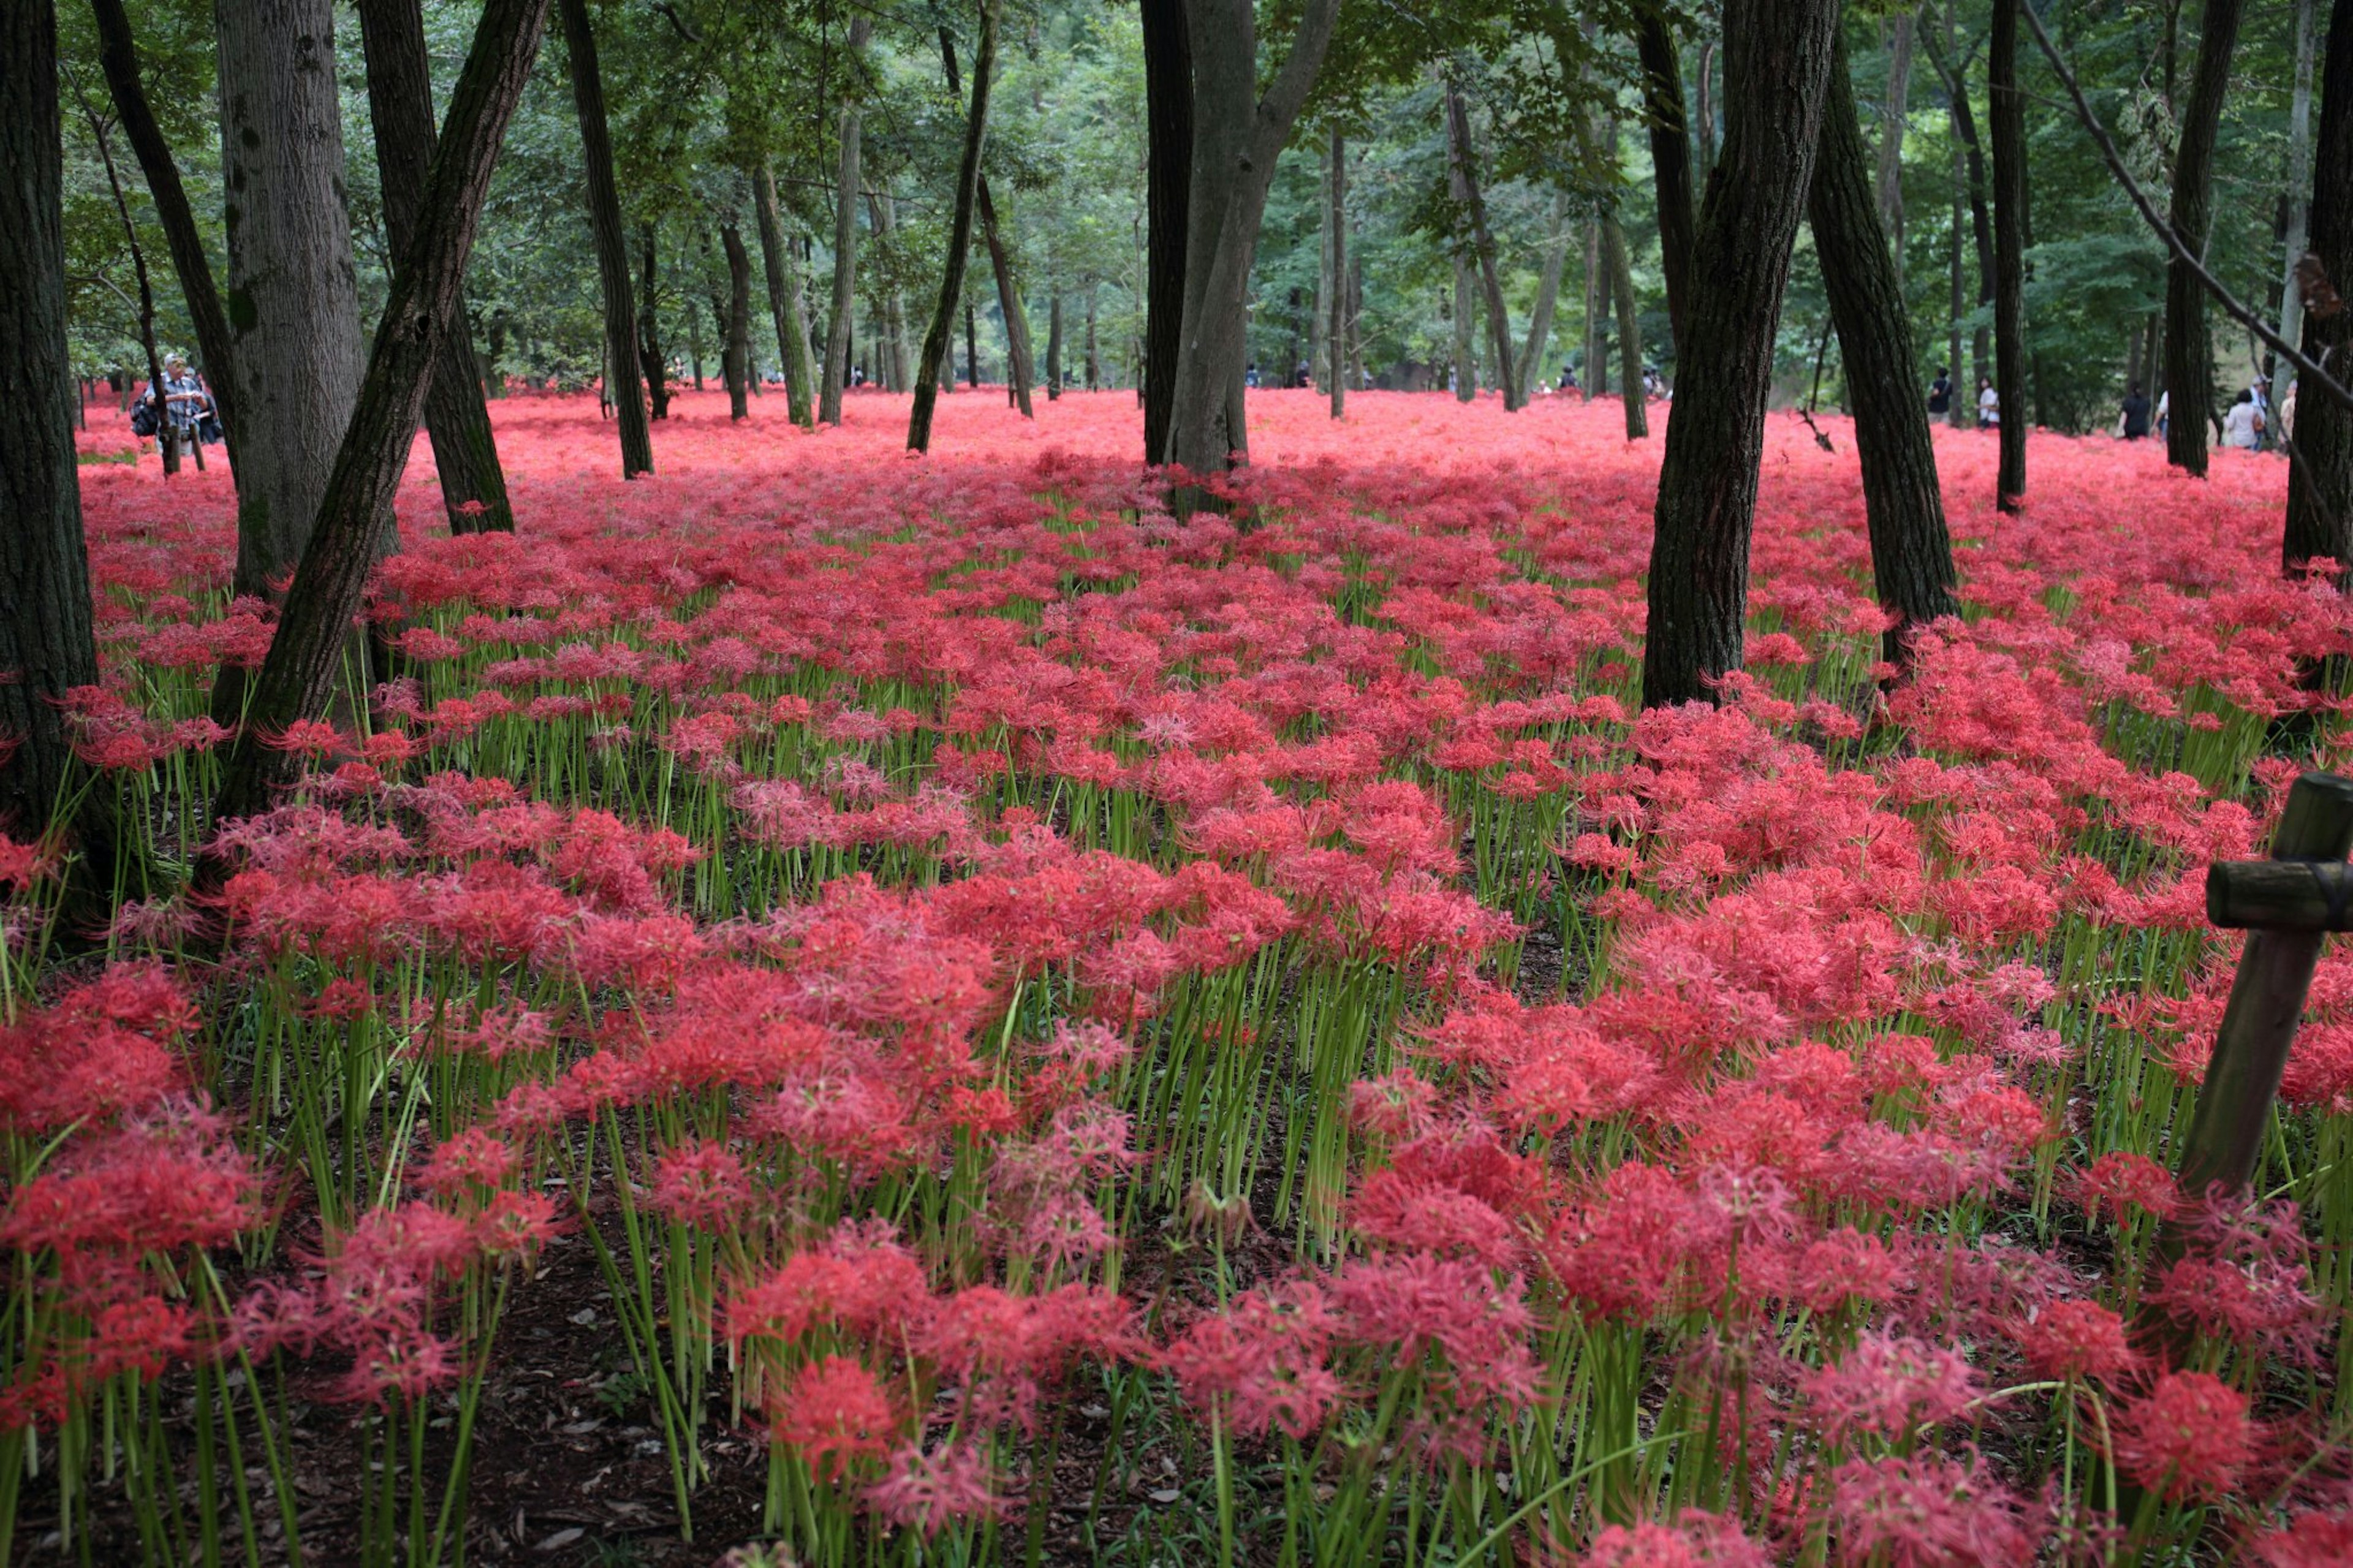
x=400 y=105
x=1670 y=158
x=1633 y=392
x=1019 y=369
x=47 y=645
x=1776 y=65
x=1706 y=106
x=1965 y=132
x=2321 y=482
x=651 y=358
x=971 y=347
x=1168 y=176
x=2189 y=357
x=784 y=300
x=1465 y=176
x=845 y=238
x=604 y=230
x=1237 y=136
x=1956 y=402
x=167 y=442
x=293 y=307
x=1547 y=295
x=1466 y=364
x=118 y=57
x=739 y=320
x=2008 y=105
x=1054 y=346
x=891 y=355
x=1094 y=363
x=1590 y=306
x=938 y=338
x=694 y=343
x=1911 y=553
x=1893 y=115
x=2299 y=209
x=299 y=673
x=1337 y=331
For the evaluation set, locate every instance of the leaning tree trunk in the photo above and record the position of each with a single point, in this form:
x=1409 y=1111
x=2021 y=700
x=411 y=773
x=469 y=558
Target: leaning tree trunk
x=2189 y=357
x=1671 y=157
x=400 y=103
x=605 y=229
x=1020 y=370
x=2009 y=253
x=785 y=301
x=1776 y=59
x=2320 y=481
x=299 y=673
x=294 y=325
x=118 y=57
x=1635 y=391
x=1236 y=135
x=2299 y=211
x=739 y=320
x=1168 y=184
x=939 y=338
x=1338 y=330
x=1911 y=553
x=1464 y=175
x=1547 y=295
x=47 y=646
x=1466 y=361
x=845 y=239
x=651 y=358
x=1972 y=154
x=167 y=443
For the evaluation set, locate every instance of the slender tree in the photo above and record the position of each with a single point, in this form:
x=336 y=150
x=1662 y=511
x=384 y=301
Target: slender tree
x=1632 y=391
x=739 y=318
x=1970 y=155
x=784 y=300
x=2189 y=357
x=400 y=105
x=1053 y=345
x=1777 y=56
x=1910 y=553
x=1337 y=355
x=2299 y=206
x=1464 y=308
x=2320 y=480
x=2008 y=106
x=939 y=338
x=1893 y=115
x=622 y=382
x=1670 y=156
x=845 y=232
x=1547 y=294
x=651 y=361
x=298 y=674
x=1020 y=368
x=1464 y=174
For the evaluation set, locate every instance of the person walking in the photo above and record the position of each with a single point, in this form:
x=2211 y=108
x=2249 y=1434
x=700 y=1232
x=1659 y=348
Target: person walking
x=2135 y=414
x=1989 y=405
x=1940 y=391
x=2242 y=427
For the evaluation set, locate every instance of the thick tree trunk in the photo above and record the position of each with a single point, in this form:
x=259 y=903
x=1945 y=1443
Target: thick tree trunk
x=2299 y=208
x=2320 y=481
x=1169 y=183
x=739 y=320
x=1054 y=346
x=1911 y=553
x=292 y=304
x=1776 y=67
x=939 y=338
x=1019 y=368
x=1466 y=362
x=1464 y=171
x=1670 y=158
x=118 y=57
x=299 y=673
x=785 y=301
x=971 y=347
x=1236 y=135
x=651 y=358
x=1547 y=295
x=400 y=105
x=845 y=238
x=2009 y=104
x=1893 y=115
x=2189 y=357
x=1336 y=333
x=1633 y=392
x=605 y=229
x=47 y=646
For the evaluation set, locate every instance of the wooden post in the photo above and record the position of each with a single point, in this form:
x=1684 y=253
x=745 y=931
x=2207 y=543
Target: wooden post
x=2289 y=904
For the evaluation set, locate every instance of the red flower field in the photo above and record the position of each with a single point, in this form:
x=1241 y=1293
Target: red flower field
x=869 y=1010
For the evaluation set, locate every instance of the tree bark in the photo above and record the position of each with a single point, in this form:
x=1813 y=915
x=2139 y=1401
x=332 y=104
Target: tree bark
x=2189 y=357
x=1169 y=176
x=1705 y=103
x=118 y=57
x=1671 y=157
x=1094 y=363
x=292 y=304
x=400 y=105
x=1910 y=553
x=1236 y=135
x=784 y=300
x=2320 y=481
x=2008 y=105
x=1894 y=116
x=2299 y=209
x=739 y=320
x=1466 y=362
x=1776 y=67
x=1597 y=291
x=1465 y=172
x=47 y=645
x=1020 y=370
x=651 y=358
x=1054 y=346
x=971 y=347
x=1633 y=392
x=939 y=339
x=1338 y=332
x=299 y=673
x=845 y=238
x=604 y=230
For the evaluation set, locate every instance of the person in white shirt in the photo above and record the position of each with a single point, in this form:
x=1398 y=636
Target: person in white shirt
x=1989 y=405
x=2243 y=426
